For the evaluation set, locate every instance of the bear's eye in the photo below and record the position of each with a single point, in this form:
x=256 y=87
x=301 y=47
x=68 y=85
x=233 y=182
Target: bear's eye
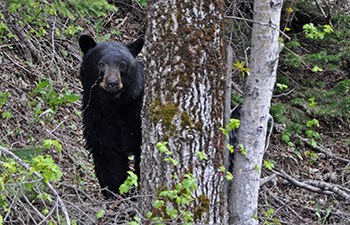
x=122 y=65
x=101 y=65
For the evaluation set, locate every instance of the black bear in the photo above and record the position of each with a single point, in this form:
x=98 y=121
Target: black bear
x=113 y=87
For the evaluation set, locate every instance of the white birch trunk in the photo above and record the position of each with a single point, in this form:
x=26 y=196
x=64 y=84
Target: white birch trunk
x=184 y=101
x=243 y=202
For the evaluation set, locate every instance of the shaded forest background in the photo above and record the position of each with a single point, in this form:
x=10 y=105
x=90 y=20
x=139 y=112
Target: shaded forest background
x=306 y=177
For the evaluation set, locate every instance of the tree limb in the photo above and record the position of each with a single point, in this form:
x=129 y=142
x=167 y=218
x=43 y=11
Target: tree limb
x=315 y=186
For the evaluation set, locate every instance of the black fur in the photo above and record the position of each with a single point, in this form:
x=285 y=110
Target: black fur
x=111 y=116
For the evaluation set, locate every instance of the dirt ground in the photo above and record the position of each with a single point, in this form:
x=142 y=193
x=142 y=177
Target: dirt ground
x=299 y=190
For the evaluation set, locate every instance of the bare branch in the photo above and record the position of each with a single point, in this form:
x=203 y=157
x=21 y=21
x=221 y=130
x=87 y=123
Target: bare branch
x=315 y=186
x=264 y=24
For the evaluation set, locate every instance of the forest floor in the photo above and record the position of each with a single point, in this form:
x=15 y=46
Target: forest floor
x=308 y=184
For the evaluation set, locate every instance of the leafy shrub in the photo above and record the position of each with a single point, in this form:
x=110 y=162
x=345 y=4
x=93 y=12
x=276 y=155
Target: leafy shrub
x=40 y=15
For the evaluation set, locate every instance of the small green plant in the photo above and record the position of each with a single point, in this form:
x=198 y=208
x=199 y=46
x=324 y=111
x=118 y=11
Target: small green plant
x=3 y=98
x=143 y=3
x=269 y=217
x=20 y=178
x=201 y=155
x=240 y=66
x=312 y=156
x=316 y=69
x=323 y=219
x=129 y=183
x=313 y=135
x=177 y=202
x=49 y=143
x=136 y=221
x=163 y=149
x=312 y=32
x=36 y=14
x=45 y=93
x=281 y=86
x=100 y=214
x=312 y=102
x=228 y=174
x=232 y=125
x=3 y=101
x=243 y=151
x=46 y=167
x=269 y=164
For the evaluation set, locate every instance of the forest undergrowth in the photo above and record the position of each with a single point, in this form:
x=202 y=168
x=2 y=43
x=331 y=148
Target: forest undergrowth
x=306 y=174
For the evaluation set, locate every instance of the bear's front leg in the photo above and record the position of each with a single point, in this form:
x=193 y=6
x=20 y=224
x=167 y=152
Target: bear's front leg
x=111 y=170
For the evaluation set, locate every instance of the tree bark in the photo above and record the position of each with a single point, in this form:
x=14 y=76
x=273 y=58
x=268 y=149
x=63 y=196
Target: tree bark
x=184 y=102
x=255 y=112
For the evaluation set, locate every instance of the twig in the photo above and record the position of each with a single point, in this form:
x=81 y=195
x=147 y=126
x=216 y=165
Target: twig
x=17 y=63
x=265 y=180
x=264 y=24
x=270 y=132
x=237 y=88
x=283 y=94
x=32 y=206
x=281 y=202
x=53 y=190
x=321 y=9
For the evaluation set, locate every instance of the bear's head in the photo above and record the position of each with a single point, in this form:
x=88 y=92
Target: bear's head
x=109 y=65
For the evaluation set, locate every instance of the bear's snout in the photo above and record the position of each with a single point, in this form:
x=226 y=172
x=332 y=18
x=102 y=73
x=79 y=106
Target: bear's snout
x=111 y=81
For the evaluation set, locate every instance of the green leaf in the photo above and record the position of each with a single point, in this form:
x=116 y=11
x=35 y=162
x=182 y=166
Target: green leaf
x=201 y=155
x=45 y=211
x=232 y=125
x=257 y=168
x=158 y=203
x=131 y=181
x=46 y=167
x=281 y=86
x=48 y=143
x=14 y=6
x=173 y=213
x=162 y=148
x=327 y=29
x=269 y=164
x=285 y=138
x=230 y=148
x=313 y=143
x=309 y=133
x=100 y=214
x=313 y=122
x=172 y=161
x=229 y=176
x=6 y=115
x=316 y=69
x=148 y=215
x=136 y=221
x=70 y=97
x=243 y=151
x=222 y=169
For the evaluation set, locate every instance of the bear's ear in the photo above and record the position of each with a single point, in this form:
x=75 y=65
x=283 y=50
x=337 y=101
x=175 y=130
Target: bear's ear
x=136 y=46
x=86 y=42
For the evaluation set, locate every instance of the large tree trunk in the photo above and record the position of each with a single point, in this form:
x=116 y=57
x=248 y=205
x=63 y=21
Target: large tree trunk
x=255 y=112
x=184 y=102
